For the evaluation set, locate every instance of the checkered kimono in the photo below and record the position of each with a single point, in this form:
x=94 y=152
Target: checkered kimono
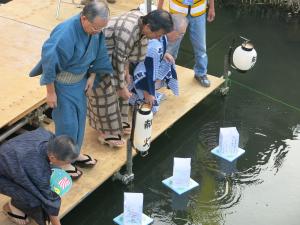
x=125 y=43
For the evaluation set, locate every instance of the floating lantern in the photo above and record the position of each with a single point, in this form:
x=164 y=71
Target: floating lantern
x=181 y=182
x=228 y=148
x=133 y=211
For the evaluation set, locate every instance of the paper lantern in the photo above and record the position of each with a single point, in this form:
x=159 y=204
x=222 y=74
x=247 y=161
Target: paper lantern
x=244 y=57
x=143 y=128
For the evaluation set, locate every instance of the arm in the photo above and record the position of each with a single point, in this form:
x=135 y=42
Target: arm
x=90 y=83
x=37 y=170
x=51 y=95
x=55 y=54
x=149 y=98
x=147 y=83
x=124 y=45
x=101 y=65
x=160 y=4
x=211 y=11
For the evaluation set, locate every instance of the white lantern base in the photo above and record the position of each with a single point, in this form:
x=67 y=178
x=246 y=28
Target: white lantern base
x=229 y=158
x=169 y=183
x=145 y=219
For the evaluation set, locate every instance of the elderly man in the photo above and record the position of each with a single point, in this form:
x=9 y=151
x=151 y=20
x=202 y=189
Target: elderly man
x=25 y=171
x=71 y=58
x=126 y=39
x=195 y=12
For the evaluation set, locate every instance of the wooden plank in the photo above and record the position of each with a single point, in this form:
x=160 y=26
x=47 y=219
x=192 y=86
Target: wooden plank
x=42 y=13
x=20 y=50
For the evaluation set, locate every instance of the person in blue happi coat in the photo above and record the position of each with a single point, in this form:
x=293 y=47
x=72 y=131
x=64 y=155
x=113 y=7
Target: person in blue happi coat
x=158 y=69
x=73 y=57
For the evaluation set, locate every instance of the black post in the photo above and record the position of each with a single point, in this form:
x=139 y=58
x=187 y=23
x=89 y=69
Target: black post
x=148 y=6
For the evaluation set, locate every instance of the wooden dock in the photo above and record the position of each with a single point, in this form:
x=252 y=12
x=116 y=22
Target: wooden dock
x=25 y=24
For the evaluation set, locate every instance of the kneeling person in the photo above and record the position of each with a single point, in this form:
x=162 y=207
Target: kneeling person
x=158 y=69
x=25 y=172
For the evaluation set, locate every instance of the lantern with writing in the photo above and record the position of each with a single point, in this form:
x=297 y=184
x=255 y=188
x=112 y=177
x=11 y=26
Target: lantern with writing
x=244 y=57
x=143 y=129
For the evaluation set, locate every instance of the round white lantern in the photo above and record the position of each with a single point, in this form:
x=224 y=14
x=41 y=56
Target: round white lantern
x=244 y=57
x=143 y=128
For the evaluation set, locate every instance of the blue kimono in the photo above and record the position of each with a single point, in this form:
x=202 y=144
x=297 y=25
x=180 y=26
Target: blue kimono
x=25 y=175
x=153 y=69
x=70 y=50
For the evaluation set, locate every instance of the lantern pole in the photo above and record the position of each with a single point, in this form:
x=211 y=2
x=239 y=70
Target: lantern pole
x=226 y=73
x=148 y=4
x=129 y=175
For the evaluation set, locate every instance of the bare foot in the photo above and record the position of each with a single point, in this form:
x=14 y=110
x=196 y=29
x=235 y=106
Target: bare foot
x=15 y=215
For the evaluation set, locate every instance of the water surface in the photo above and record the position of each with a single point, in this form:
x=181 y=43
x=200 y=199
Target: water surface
x=263 y=186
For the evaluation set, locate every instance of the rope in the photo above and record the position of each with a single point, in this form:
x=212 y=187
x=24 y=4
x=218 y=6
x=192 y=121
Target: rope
x=265 y=95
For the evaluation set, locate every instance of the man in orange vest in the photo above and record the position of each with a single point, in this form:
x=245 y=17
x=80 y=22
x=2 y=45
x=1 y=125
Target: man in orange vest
x=195 y=11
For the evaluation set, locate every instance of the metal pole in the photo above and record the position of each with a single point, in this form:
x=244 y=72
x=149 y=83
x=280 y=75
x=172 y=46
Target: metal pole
x=148 y=4
x=58 y=9
x=225 y=89
x=128 y=176
x=129 y=163
x=14 y=129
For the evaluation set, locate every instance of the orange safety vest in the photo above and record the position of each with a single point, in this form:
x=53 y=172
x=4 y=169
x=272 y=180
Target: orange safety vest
x=197 y=9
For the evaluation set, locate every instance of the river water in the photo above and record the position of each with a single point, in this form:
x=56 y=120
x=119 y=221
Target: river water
x=263 y=186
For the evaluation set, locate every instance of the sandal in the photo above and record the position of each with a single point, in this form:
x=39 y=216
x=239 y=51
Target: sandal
x=86 y=162
x=75 y=171
x=126 y=128
x=112 y=140
x=17 y=219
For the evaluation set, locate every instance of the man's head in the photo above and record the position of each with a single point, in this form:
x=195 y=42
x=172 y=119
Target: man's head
x=62 y=150
x=157 y=23
x=94 y=17
x=180 y=25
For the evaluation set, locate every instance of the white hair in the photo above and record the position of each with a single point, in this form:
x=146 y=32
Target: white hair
x=180 y=22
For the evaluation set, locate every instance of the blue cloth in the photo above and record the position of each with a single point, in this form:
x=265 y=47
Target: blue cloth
x=70 y=114
x=69 y=48
x=197 y=31
x=153 y=69
x=25 y=174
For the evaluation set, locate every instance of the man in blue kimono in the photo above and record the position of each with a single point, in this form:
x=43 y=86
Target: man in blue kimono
x=25 y=171
x=71 y=58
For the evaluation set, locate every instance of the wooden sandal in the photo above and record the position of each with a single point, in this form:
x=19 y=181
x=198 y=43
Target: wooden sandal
x=75 y=171
x=126 y=128
x=111 y=140
x=14 y=217
x=85 y=163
